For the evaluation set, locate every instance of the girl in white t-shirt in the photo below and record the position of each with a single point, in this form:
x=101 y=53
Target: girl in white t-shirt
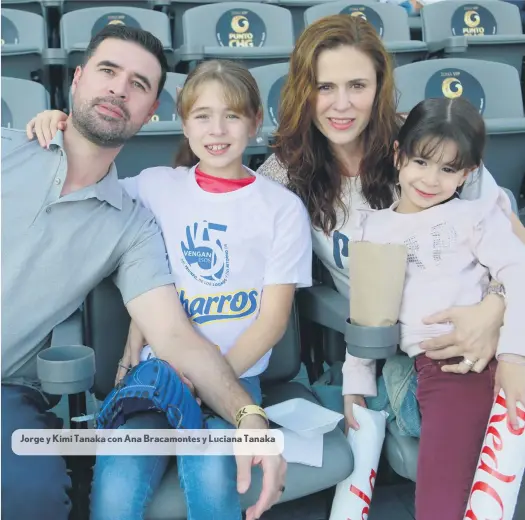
x=239 y=244
x=453 y=245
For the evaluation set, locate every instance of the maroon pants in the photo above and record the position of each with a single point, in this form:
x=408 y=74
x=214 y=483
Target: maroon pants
x=455 y=410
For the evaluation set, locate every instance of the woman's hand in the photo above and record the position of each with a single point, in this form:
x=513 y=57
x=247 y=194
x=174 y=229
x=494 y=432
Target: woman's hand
x=510 y=376
x=131 y=357
x=45 y=125
x=475 y=336
x=349 y=401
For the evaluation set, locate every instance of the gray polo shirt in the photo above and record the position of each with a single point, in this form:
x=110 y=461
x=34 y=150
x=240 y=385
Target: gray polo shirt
x=55 y=250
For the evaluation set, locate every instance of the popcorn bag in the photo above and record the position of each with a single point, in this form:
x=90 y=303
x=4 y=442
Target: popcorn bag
x=353 y=496
x=377 y=279
x=500 y=468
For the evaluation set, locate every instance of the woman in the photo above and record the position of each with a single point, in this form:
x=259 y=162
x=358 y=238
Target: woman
x=334 y=148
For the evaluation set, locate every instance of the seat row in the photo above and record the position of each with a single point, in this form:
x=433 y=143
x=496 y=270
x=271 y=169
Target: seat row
x=260 y=34
x=494 y=88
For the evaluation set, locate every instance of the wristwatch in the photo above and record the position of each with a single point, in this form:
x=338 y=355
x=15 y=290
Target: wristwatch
x=497 y=289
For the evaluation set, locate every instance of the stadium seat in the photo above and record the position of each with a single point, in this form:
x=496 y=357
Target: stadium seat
x=494 y=88
x=21 y=100
x=298 y=8
x=78 y=27
x=157 y=142
x=270 y=80
x=177 y=8
x=23 y=44
x=390 y=22
x=107 y=327
x=485 y=30
x=74 y=5
x=31 y=6
x=256 y=34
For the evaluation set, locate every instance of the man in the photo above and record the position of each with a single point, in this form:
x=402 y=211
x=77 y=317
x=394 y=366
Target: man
x=67 y=224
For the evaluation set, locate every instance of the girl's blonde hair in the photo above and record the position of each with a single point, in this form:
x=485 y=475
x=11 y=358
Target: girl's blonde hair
x=240 y=91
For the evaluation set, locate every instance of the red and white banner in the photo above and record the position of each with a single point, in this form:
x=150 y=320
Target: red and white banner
x=500 y=467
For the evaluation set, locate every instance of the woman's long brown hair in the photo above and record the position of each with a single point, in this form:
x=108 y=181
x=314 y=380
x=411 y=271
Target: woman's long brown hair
x=314 y=172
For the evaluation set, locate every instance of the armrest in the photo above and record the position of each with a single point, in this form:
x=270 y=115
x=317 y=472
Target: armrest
x=324 y=306
x=452 y=44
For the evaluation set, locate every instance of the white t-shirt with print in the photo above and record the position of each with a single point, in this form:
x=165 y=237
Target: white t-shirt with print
x=225 y=247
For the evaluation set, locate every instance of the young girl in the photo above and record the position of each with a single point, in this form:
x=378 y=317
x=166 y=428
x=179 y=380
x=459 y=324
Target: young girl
x=239 y=244
x=453 y=245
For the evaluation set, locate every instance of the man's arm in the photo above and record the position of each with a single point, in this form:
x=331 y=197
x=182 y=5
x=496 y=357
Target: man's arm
x=265 y=331
x=161 y=318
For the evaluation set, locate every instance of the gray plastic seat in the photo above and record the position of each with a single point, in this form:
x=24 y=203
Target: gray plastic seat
x=21 y=100
x=177 y=8
x=256 y=34
x=107 y=323
x=494 y=88
x=23 y=44
x=31 y=6
x=485 y=30
x=78 y=27
x=390 y=22
x=74 y=5
x=270 y=80
x=158 y=141
x=298 y=8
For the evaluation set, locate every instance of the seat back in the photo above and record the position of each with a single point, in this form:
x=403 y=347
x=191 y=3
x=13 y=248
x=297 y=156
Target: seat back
x=177 y=9
x=462 y=18
x=21 y=100
x=389 y=20
x=23 y=42
x=78 y=27
x=237 y=30
x=494 y=88
x=75 y=5
x=31 y=6
x=270 y=80
x=106 y=324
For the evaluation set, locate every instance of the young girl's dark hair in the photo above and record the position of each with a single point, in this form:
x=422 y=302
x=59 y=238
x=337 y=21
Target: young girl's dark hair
x=434 y=121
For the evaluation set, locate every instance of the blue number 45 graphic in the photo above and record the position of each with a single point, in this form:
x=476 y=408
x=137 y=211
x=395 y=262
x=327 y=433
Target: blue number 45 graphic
x=204 y=251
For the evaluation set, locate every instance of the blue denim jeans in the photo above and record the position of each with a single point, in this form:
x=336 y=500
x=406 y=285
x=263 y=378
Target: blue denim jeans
x=32 y=487
x=124 y=486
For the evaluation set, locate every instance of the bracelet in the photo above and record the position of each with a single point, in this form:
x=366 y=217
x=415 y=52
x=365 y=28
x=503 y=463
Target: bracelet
x=250 y=409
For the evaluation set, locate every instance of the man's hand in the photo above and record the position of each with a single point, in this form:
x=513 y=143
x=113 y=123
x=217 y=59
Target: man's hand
x=511 y=378
x=475 y=336
x=131 y=357
x=274 y=473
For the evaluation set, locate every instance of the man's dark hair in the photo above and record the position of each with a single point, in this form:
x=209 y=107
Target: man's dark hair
x=131 y=34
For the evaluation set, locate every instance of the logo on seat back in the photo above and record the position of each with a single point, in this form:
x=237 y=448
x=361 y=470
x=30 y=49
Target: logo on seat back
x=455 y=83
x=240 y=28
x=204 y=254
x=473 y=20
x=368 y=14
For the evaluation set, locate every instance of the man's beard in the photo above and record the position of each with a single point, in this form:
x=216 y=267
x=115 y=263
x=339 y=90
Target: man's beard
x=106 y=132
